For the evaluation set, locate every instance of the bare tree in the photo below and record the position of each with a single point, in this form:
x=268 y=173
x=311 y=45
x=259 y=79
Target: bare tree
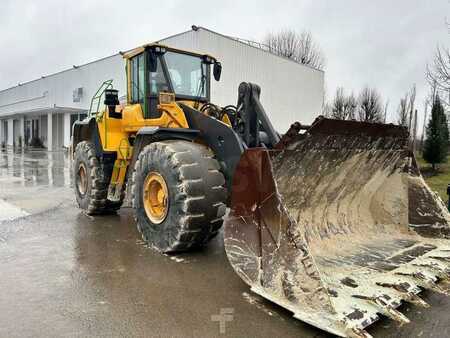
x=370 y=106
x=284 y=43
x=351 y=106
x=299 y=47
x=424 y=123
x=385 y=111
x=326 y=109
x=438 y=73
x=343 y=107
x=431 y=97
x=414 y=132
x=338 y=104
x=309 y=53
x=403 y=112
x=412 y=99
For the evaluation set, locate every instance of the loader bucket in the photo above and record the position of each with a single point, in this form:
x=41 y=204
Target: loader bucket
x=338 y=228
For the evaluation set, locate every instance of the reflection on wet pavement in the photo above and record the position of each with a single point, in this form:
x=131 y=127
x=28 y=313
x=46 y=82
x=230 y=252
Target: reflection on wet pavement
x=34 y=168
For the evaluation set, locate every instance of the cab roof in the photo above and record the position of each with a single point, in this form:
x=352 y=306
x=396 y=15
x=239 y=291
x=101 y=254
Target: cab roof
x=139 y=50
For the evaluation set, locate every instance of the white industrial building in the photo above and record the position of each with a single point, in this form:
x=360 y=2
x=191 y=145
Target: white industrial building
x=46 y=108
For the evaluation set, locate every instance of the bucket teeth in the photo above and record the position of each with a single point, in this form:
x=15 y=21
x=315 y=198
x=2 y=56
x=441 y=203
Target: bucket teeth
x=416 y=300
x=441 y=258
x=431 y=285
x=436 y=288
x=409 y=296
x=358 y=333
x=420 y=276
x=388 y=310
x=443 y=272
x=395 y=315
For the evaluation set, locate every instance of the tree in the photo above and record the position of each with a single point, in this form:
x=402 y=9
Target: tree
x=350 y=107
x=343 y=107
x=428 y=102
x=438 y=73
x=414 y=132
x=326 y=109
x=298 y=47
x=436 y=142
x=405 y=110
x=370 y=106
x=412 y=99
x=444 y=124
x=385 y=111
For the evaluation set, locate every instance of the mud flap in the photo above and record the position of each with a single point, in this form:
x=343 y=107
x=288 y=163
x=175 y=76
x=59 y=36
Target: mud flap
x=340 y=228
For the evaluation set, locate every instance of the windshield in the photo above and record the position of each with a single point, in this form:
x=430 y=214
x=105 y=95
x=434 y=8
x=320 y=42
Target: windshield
x=188 y=74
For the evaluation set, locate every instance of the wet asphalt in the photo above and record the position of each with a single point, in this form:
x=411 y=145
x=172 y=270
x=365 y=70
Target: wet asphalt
x=65 y=274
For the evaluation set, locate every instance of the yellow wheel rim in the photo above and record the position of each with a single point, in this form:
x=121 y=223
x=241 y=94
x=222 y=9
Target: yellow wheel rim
x=82 y=179
x=156 y=197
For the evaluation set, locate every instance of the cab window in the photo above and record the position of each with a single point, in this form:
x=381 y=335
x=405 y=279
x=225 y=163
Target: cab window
x=188 y=73
x=157 y=80
x=137 y=82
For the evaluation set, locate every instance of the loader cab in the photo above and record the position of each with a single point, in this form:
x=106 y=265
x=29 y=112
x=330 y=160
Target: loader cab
x=155 y=69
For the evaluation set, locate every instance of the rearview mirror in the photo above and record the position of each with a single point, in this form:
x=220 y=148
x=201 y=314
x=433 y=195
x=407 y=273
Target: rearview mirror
x=217 y=70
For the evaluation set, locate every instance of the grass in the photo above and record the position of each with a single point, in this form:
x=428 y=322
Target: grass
x=437 y=180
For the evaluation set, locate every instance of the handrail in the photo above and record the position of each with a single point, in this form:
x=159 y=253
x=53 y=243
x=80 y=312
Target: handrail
x=96 y=99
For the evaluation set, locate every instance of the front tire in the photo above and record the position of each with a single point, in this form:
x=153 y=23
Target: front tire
x=178 y=195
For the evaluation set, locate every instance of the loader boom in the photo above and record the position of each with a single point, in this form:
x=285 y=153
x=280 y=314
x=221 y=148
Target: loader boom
x=258 y=128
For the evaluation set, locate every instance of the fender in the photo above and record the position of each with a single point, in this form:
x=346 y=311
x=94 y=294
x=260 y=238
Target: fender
x=147 y=135
x=87 y=130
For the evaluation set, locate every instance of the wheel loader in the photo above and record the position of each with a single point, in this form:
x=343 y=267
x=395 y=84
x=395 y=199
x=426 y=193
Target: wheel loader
x=332 y=221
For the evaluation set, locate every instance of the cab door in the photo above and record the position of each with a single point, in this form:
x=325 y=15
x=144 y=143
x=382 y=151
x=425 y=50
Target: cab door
x=158 y=81
x=136 y=84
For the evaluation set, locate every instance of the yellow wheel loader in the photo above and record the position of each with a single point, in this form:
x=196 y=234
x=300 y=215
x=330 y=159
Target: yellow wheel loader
x=331 y=221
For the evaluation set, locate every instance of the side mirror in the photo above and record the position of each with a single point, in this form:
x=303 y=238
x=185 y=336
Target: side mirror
x=152 y=62
x=217 y=70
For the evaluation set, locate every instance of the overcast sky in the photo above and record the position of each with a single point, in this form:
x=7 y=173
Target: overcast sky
x=384 y=43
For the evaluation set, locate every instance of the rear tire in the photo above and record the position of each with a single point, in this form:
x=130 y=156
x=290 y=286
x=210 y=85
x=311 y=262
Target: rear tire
x=91 y=182
x=196 y=197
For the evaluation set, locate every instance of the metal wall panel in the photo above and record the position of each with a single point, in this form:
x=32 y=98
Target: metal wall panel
x=289 y=91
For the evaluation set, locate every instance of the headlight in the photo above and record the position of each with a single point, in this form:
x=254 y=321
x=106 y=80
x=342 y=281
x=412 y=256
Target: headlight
x=159 y=49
